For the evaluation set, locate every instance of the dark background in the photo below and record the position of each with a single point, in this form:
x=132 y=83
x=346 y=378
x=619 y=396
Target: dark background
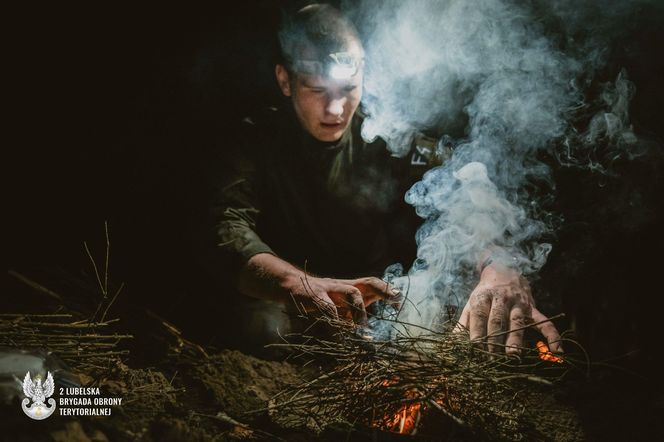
x=114 y=110
x=112 y=105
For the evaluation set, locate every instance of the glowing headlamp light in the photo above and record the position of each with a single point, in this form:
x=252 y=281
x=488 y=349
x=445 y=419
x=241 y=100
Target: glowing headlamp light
x=338 y=65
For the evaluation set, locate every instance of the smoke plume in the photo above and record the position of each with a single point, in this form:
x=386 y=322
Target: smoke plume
x=505 y=81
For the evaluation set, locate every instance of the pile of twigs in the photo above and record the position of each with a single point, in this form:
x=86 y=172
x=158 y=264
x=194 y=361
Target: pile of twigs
x=417 y=375
x=83 y=344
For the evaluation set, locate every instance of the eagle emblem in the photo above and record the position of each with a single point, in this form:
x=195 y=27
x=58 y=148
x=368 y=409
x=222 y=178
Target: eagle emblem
x=37 y=392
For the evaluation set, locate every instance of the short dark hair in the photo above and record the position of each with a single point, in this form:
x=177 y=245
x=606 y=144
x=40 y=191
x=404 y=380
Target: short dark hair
x=319 y=29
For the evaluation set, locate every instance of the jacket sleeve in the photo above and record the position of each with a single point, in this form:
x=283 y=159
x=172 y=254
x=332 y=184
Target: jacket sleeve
x=235 y=210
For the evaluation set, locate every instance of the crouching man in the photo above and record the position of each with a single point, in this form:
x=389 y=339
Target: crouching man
x=306 y=198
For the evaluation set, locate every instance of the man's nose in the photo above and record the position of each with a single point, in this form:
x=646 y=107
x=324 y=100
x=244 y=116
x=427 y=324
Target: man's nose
x=335 y=106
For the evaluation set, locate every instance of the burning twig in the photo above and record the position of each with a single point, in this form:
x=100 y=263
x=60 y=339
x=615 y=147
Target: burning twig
x=546 y=355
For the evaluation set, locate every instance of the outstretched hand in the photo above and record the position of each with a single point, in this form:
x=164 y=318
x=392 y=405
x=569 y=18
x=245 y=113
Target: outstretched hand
x=269 y=277
x=341 y=298
x=500 y=308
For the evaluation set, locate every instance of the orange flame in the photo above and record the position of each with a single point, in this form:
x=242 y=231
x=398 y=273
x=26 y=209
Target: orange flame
x=406 y=418
x=546 y=355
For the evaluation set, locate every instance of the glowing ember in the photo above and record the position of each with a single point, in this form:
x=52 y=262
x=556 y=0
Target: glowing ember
x=406 y=418
x=545 y=354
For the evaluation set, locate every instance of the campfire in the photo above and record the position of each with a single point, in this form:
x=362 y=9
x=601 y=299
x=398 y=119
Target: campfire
x=405 y=419
x=416 y=378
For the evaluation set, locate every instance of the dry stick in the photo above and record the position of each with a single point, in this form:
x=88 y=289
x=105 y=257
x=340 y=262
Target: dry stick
x=197 y=347
x=313 y=324
x=103 y=316
x=94 y=265
x=88 y=355
x=447 y=413
x=322 y=306
x=340 y=386
x=103 y=287
x=583 y=350
x=409 y=324
x=58 y=340
x=34 y=285
x=82 y=325
x=305 y=277
x=406 y=299
x=22 y=332
x=29 y=315
x=66 y=347
x=297 y=307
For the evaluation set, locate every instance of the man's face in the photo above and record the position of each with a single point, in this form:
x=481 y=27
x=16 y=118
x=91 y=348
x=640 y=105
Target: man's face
x=324 y=106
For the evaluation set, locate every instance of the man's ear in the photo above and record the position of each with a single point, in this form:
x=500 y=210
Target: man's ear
x=283 y=79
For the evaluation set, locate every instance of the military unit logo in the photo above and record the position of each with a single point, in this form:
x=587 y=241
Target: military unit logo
x=38 y=392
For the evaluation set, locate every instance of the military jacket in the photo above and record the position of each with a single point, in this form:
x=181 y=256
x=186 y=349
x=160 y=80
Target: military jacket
x=335 y=208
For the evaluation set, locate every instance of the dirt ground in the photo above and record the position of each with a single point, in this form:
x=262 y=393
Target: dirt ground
x=195 y=396
x=173 y=389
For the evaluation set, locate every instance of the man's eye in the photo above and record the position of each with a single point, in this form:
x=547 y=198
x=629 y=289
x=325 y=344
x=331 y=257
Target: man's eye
x=317 y=90
x=350 y=88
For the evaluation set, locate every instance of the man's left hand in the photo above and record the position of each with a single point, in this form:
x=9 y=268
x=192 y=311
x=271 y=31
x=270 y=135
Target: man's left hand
x=500 y=308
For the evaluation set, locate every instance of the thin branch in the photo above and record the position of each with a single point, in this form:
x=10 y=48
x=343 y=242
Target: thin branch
x=103 y=316
x=30 y=283
x=94 y=266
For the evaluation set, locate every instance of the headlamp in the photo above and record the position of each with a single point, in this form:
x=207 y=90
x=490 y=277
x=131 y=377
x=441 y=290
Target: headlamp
x=338 y=65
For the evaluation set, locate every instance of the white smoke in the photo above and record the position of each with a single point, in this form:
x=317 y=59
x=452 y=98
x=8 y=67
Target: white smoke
x=496 y=70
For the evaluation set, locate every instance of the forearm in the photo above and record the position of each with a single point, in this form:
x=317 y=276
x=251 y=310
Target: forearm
x=267 y=276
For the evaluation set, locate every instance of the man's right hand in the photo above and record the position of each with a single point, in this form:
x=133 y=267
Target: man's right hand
x=340 y=298
x=270 y=277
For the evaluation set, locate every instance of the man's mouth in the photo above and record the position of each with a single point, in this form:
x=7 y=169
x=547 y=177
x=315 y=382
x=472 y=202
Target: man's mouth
x=336 y=125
